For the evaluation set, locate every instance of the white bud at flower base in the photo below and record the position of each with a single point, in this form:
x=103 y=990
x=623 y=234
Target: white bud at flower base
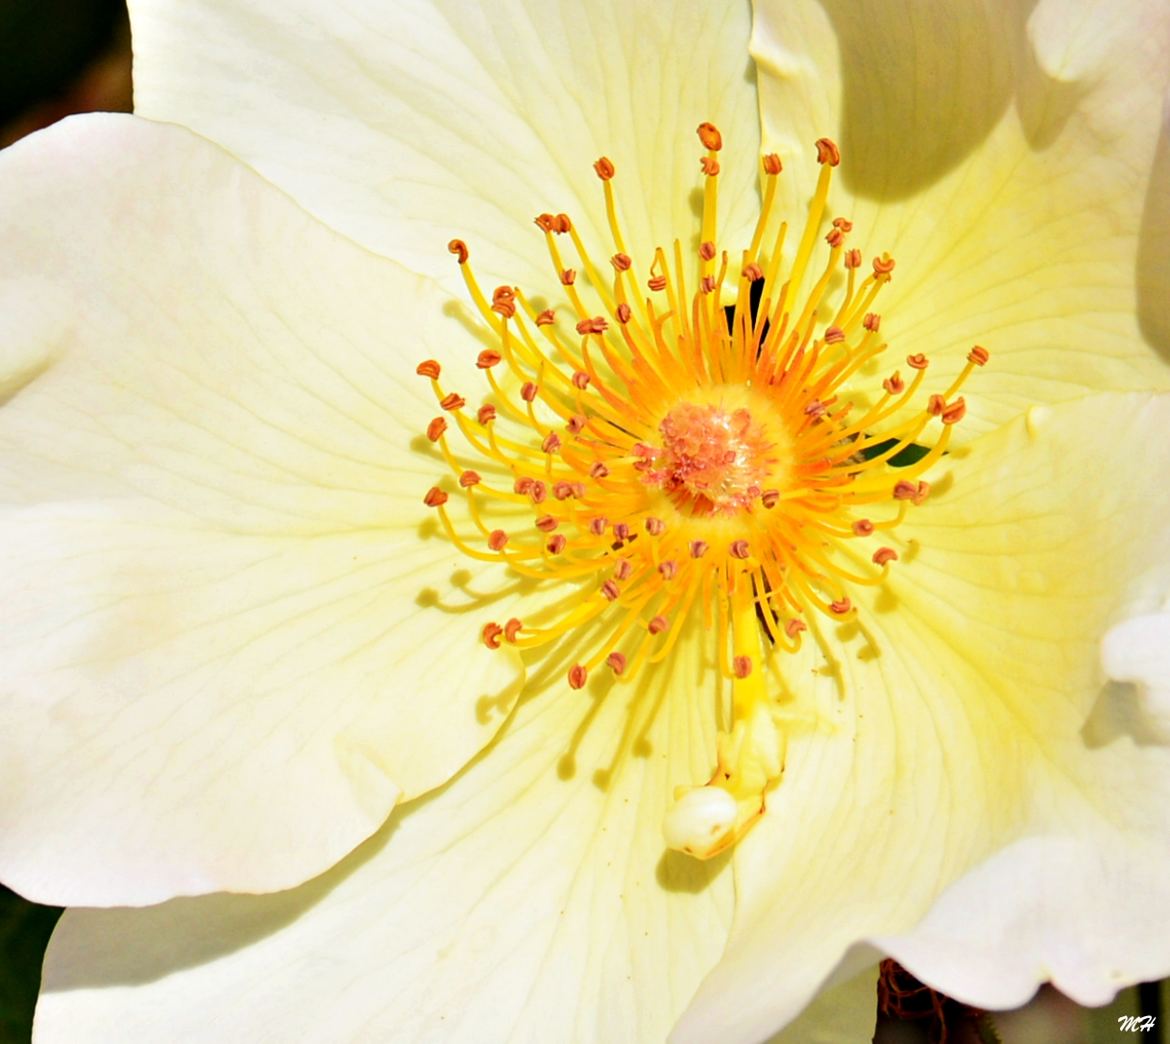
x=699 y=819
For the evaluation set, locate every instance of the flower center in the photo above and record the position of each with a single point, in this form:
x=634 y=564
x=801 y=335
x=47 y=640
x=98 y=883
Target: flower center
x=668 y=464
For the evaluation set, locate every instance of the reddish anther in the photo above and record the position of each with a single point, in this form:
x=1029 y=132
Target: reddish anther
x=752 y=272
x=834 y=335
x=894 y=384
x=772 y=164
x=528 y=391
x=596 y=325
x=936 y=405
x=428 y=368
x=657 y=282
x=546 y=523
x=562 y=490
x=844 y=224
x=436 y=429
x=707 y=284
x=954 y=411
x=623 y=569
x=562 y=224
x=575 y=424
x=598 y=470
x=853 y=258
x=707 y=251
x=488 y=358
x=916 y=493
x=616 y=662
x=621 y=532
x=577 y=676
x=580 y=380
x=739 y=549
x=551 y=443
x=491 y=635
x=610 y=590
x=452 y=402
x=794 y=627
x=658 y=625
x=569 y=276
x=827 y=152
x=668 y=569
x=710 y=137
x=486 y=413
x=621 y=262
x=546 y=318
x=598 y=525
x=978 y=355
x=835 y=237
x=862 y=527
x=709 y=166
x=623 y=313
x=655 y=526
x=698 y=548
x=841 y=606
x=604 y=168
x=770 y=498
x=883 y=266
x=523 y=485
x=883 y=555
x=917 y=361
x=459 y=249
x=435 y=497
x=557 y=544
x=512 y=628
x=469 y=479
x=538 y=492
x=497 y=540
x=741 y=666
x=545 y=222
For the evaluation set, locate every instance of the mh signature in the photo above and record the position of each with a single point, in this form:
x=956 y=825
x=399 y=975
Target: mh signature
x=1136 y=1023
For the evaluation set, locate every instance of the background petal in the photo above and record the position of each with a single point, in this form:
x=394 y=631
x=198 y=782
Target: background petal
x=1007 y=155
x=529 y=899
x=226 y=648
x=406 y=124
x=960 y=726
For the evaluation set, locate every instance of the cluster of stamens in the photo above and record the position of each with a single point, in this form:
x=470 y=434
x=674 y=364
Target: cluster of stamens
x=667 y=459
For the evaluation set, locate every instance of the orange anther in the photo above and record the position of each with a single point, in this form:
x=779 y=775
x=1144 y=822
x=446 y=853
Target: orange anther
x=512 y=629
x=562 y=224
x=894 y=384
x=844 y=224
x=596 y=325
x=459 y=249
x=707 y=284
x=834 y=335
x=752 y=272
x=794 y=627
x=616 y=662
x=497 y=540
x=841 y=606
x=545 y=222
x=658 y=625
x=739 y=549
x=528 y=391
x=883 y=555
x=862 y=527
x=914 y=492
x=698 y=548
x=655 y=526
x=491 y=635
x=487 y=358
x=741 y=666
x=551 y=443
x=453 y=401
x=575 y=424
x=546 y=523
x=580 y=380
x=621 y=532
x=486 y=413
x=546 y=317
x=610 y=590
x=883 y=266
x=623 y=313
x=772 y=164
x=710 y=166
x=470 y=478
x=979 y=355
x=538 y=492
x=428 y=368
x=872 y=322
x=557 y=544
x=435 y=497
x=707 y=251
x=954 y=411
x=562 y=490
x=598 y=470
x=623 y=569
x=577 y=676
x=569 y=276
x=827 y=152
x=598 y=525
x=657 y=282
x=604 y=168
x=436 y=428
x=853 y=258
x=621 y=262
x=710 y=137
x=918 y=361
x=936 y=405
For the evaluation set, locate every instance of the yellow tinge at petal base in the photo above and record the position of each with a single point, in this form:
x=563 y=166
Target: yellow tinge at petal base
x=658 y=458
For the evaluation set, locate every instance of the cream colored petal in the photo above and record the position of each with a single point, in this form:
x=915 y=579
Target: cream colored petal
x=1012 y=158
x=530 y=899
x=962 y=724
x=230 y=637
x=404 y=125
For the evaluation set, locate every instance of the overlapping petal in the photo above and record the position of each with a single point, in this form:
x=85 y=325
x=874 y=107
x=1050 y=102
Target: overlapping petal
x=221 y=614
x=966 y=691
x=1011 y=157
x=406 y=124
x=529 y=899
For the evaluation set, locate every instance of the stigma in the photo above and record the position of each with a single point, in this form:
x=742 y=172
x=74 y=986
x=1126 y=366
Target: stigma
x=693 y=436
